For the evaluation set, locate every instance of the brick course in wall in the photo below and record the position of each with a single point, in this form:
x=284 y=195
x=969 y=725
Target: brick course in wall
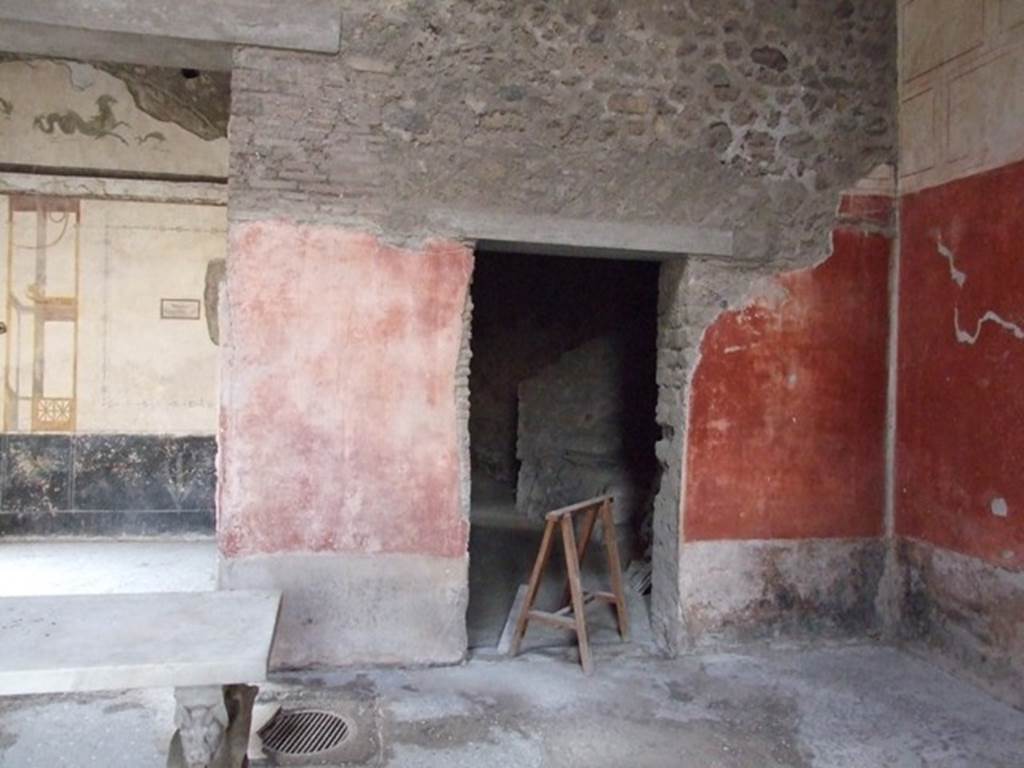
x=735 y=114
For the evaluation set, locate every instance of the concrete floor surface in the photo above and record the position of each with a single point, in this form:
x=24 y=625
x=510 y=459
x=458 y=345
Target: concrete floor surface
x=70 y=567
x=862 y=706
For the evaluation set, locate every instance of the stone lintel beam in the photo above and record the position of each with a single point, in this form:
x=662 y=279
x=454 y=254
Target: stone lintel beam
x=196 y=33
x=560 y=236
x=120 y=47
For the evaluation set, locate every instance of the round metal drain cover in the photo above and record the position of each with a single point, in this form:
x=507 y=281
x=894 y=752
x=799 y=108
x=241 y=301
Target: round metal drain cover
x=303 y=733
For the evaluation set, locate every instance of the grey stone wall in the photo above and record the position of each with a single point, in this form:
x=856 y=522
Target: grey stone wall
x=795 y=590
x=742 y=114
x=462 y=371
x=578 y=430
x=672 y=378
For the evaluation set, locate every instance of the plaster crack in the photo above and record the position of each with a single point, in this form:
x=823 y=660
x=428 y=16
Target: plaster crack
x=965 y=337
x=959 y=277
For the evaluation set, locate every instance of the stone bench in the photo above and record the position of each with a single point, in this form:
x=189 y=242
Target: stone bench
x=209 y=646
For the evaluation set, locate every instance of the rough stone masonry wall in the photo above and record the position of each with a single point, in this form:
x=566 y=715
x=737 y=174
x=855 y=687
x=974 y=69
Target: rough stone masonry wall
x=581 y=423
x=748 y=115
x=740 y=114
x=672 y=376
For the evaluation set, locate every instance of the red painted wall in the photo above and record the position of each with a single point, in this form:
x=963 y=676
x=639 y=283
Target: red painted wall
x=787 y=412
x=338 y=425
x=960 y=435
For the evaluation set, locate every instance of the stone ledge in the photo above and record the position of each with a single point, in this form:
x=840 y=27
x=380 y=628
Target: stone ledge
x=965 y=614
x=345 y=608
x=734 y=592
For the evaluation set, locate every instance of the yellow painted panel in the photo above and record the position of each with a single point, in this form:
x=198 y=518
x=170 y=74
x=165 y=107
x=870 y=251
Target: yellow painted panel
x=120 y=330
x=937 y=31
x=140 y=372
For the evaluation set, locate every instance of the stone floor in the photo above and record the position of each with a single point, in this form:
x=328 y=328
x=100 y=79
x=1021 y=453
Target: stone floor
x=500 y=559
x=94 y=567
x=842 y=707
x=856 y=706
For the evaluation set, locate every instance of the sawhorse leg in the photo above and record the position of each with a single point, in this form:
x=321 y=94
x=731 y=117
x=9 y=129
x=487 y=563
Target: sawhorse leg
x=574 y=554
x=531 y=590
x=586 y=531
x=615 y=569
x=572 y=565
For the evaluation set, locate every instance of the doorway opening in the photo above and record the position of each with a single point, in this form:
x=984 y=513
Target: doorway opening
x=562 y=409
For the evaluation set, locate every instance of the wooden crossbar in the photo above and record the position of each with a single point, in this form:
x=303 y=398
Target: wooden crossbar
x=581 y=506
x=561 y=520
x=553 y=619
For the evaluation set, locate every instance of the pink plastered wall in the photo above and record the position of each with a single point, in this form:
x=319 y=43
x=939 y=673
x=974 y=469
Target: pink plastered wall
x=338 y=429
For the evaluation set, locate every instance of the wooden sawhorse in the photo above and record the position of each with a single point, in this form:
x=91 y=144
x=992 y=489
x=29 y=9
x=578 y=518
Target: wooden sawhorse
x=578 y=599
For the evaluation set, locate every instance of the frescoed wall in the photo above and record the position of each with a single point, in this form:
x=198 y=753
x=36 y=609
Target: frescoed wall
x=108 y=296
x=784 y=507
x=959 y=498
x=110 y=370
x=356 y=468
x=62 y=114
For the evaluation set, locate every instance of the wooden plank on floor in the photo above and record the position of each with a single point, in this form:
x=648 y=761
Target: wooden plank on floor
x=505 y=642
x=553 y=620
